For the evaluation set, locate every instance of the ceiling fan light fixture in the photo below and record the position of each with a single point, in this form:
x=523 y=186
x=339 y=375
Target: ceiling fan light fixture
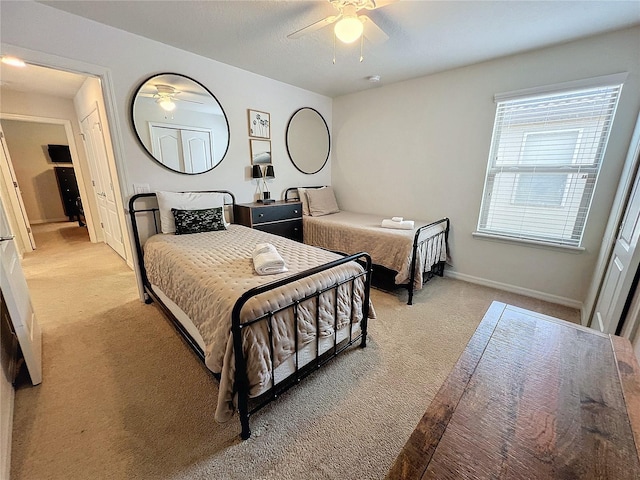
x=167 y=104
x=349 y=28
x=13 y=61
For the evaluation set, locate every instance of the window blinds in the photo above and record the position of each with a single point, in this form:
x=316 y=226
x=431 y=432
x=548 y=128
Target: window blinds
x=544 y=161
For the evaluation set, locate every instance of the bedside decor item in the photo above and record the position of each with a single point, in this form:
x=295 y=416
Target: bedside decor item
x=259 y=125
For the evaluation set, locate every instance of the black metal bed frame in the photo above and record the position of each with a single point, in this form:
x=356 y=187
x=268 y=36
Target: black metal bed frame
x=241 y=385
x=428 y=270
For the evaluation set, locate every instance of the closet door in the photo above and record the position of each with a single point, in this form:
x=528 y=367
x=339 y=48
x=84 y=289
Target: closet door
x=103 y=186
x=621 y=269
x=166 y=146
x=197 y=151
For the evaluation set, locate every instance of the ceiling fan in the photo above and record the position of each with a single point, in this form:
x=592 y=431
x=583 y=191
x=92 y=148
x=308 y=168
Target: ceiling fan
x=349 y=26
x=166 y=96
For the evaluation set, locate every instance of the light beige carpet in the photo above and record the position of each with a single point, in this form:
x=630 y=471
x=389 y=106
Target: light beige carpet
x=123 y=397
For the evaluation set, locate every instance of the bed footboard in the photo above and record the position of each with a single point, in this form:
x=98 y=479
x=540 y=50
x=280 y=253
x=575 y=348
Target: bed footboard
x=435 y=242
x=300 y=371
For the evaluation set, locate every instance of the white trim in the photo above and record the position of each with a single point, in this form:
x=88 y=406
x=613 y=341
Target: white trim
x=603 y=81
x=533 y=243
x=547 y=297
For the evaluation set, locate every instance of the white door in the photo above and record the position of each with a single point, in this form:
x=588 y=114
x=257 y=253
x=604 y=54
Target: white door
x=166 y=147
x=197 y=151
x=16 y=294
x=621 y=269
x=8 y=176
x=101 y=177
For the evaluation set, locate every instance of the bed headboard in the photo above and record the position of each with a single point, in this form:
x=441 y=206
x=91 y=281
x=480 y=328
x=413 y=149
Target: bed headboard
x=292 y=193
x=145 y=216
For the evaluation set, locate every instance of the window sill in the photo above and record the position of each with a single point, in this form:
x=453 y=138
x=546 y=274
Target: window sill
x=530 y=243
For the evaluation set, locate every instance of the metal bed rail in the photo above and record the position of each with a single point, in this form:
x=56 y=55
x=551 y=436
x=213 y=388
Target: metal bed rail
x=238 y=325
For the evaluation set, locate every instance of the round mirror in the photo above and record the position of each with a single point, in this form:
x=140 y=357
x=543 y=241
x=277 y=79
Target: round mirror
x=308 y=141
x=180 y=123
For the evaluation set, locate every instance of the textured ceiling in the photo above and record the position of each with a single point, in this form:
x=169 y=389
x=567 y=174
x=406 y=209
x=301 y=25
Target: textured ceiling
x=424 y=36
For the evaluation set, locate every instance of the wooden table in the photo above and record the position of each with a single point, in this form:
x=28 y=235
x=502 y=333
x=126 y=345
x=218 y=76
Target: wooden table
x=531 y=397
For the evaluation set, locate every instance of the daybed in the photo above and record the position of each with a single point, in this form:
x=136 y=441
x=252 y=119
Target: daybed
x=410 y=256
x=256 y=333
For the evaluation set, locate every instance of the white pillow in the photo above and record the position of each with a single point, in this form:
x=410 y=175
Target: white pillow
x=185 y=201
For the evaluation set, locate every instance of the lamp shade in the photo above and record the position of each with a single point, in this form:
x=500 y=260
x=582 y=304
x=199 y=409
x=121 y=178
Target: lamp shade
x=270 y=173
x=257 y=171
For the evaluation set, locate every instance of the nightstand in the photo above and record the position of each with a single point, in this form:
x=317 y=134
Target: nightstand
x=280 y=218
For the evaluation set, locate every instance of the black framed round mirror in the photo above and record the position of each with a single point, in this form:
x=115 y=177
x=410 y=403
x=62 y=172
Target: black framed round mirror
x=308 y=140
x=180 y=123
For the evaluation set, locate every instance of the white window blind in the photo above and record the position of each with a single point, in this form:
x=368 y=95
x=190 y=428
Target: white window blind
x=544 y=161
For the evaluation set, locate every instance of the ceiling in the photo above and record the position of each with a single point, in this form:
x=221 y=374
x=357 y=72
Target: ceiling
x=424 y=36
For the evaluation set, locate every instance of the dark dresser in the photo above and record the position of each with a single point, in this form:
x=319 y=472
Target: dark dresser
x=280 y=218
x=69 y=193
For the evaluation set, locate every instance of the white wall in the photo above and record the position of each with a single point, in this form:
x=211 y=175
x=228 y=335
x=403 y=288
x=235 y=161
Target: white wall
x=132 y=59
x=419 y=149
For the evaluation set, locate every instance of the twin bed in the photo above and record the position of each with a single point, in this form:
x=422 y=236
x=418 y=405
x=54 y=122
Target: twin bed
x=260 y=335
x=409 y=257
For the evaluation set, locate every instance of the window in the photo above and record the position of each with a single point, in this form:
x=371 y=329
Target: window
x=544 y=161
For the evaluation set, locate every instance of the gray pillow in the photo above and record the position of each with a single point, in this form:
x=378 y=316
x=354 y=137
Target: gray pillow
x=322 y=201
x=198 y=221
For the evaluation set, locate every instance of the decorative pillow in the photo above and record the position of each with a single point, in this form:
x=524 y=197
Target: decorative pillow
x=322 y=201
x=198 y=221
x=302 y=194
x=185 y=201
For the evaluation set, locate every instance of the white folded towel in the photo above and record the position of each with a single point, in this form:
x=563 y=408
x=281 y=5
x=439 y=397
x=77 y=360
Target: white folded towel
x=397 y=219
x=403 y=225
x=267 y=260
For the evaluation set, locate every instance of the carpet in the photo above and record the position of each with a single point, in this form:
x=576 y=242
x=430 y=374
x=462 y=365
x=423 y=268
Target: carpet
x=123 y=397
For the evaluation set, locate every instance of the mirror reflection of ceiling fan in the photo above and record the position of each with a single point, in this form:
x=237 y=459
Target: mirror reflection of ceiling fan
x=349 y=26
x=167 y=96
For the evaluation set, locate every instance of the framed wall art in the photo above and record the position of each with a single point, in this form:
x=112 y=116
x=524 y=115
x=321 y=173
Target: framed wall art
x=260 y=152
x=259 y=124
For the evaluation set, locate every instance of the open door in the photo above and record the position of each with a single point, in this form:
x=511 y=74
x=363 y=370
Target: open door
x=8 y=176
x=16 y=294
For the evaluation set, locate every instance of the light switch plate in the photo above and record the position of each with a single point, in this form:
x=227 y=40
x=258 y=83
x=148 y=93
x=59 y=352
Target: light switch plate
x=141 y=188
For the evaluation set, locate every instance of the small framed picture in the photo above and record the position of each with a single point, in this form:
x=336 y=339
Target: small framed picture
x=260 y=152
x=259 y=124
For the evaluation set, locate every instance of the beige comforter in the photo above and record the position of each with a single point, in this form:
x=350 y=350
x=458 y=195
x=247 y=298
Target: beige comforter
x=205 y=273
x=350 y=232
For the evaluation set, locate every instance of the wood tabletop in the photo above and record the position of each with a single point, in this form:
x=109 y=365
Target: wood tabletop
x=531 y=397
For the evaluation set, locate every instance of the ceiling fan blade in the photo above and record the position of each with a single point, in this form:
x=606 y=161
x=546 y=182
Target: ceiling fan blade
x=314 y=26
x=373 y=32
x=373 y=4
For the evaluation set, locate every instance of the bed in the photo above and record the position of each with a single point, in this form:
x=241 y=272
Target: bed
x=409 y=257
x=258 y=334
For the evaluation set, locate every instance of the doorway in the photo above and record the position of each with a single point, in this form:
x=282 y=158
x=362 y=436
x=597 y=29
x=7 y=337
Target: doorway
x=62 y=97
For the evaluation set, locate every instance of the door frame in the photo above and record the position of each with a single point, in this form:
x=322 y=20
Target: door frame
x=627 y=179
x=74 y=160
x=108 y=94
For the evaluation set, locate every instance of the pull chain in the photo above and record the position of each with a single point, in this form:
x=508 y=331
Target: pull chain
x=334 y=47
x=361 y=48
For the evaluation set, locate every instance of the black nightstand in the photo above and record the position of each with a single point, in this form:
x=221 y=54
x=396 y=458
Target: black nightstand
x=280 y=218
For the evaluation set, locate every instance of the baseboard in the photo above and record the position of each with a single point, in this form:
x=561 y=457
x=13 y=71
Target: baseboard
x=49 y=220
x=567 y=302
